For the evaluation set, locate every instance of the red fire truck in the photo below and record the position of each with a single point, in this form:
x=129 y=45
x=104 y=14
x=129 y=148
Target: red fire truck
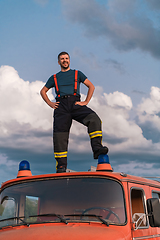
x=99 y=204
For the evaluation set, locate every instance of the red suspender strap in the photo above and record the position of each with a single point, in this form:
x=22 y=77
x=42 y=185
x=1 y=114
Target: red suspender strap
x=56 y=85
x=75 y=83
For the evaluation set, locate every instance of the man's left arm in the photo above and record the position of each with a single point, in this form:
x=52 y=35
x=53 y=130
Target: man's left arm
x=89 y=93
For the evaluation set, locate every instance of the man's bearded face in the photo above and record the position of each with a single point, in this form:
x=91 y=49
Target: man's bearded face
x=64 y=61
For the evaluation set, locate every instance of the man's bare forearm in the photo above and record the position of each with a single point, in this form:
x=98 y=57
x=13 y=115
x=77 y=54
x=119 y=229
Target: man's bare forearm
x=89 y=93
x=43 y=93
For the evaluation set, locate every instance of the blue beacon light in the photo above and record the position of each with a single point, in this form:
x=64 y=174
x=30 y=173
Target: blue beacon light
x=103 y=158
x=24 y=169
x=103 y=163
x=24 y=165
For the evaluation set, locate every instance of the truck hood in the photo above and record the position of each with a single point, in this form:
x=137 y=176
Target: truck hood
x=61 y=231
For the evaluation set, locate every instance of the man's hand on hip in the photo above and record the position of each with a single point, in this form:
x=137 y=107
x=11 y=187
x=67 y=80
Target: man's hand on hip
x=83 y=103
x=54 y=105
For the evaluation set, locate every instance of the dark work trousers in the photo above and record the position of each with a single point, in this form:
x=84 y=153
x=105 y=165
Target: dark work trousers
x=63 y=116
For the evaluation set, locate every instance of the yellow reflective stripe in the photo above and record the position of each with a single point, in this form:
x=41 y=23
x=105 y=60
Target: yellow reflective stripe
x=95 y=134
x=92 y=133
x=56 y=164
x=60 y=154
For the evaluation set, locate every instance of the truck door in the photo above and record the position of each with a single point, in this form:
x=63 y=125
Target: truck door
x=141 y=229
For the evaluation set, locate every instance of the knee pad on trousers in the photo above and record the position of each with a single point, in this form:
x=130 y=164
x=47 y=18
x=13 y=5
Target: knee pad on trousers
x=93 y=122
x=60 y=140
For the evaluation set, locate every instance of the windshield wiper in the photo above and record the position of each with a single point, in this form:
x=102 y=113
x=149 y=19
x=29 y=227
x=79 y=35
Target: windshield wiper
x=19 y=218
x=51 y=215
x=89 y=215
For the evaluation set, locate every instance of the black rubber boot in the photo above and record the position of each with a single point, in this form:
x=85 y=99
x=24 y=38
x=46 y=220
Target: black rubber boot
x=61 y=170
x=102 y=150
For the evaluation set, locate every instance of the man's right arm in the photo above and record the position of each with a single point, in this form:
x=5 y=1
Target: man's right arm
x=43 y=93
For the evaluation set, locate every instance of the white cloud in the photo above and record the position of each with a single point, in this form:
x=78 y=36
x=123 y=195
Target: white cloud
x=118 y=99
x=137 y=168
x=114 y=111
x=26 y=121
x=21 y=101
x=4 y=161
x=151 y=105
x=8 y=168
x=149 y=108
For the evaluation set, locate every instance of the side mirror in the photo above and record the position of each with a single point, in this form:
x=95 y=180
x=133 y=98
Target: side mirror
x=153 y=207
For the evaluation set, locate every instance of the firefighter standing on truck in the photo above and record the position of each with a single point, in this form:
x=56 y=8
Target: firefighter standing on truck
x=68 y=106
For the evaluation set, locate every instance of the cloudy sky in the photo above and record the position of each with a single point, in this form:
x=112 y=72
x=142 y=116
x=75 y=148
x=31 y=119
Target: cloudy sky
x=116 y=44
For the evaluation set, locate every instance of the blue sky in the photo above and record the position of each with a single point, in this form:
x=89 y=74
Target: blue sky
x=116 y=44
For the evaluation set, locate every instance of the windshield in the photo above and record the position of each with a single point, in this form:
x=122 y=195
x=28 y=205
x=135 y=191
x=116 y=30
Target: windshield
x=63 y=199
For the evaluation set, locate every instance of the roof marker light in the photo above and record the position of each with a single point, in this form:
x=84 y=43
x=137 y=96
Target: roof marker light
x=103 y=163
x=103 y=158
x=24 y=169
x=24 y=165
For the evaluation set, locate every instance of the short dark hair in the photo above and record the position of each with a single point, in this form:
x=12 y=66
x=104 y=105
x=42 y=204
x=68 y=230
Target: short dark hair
x=62 y=53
